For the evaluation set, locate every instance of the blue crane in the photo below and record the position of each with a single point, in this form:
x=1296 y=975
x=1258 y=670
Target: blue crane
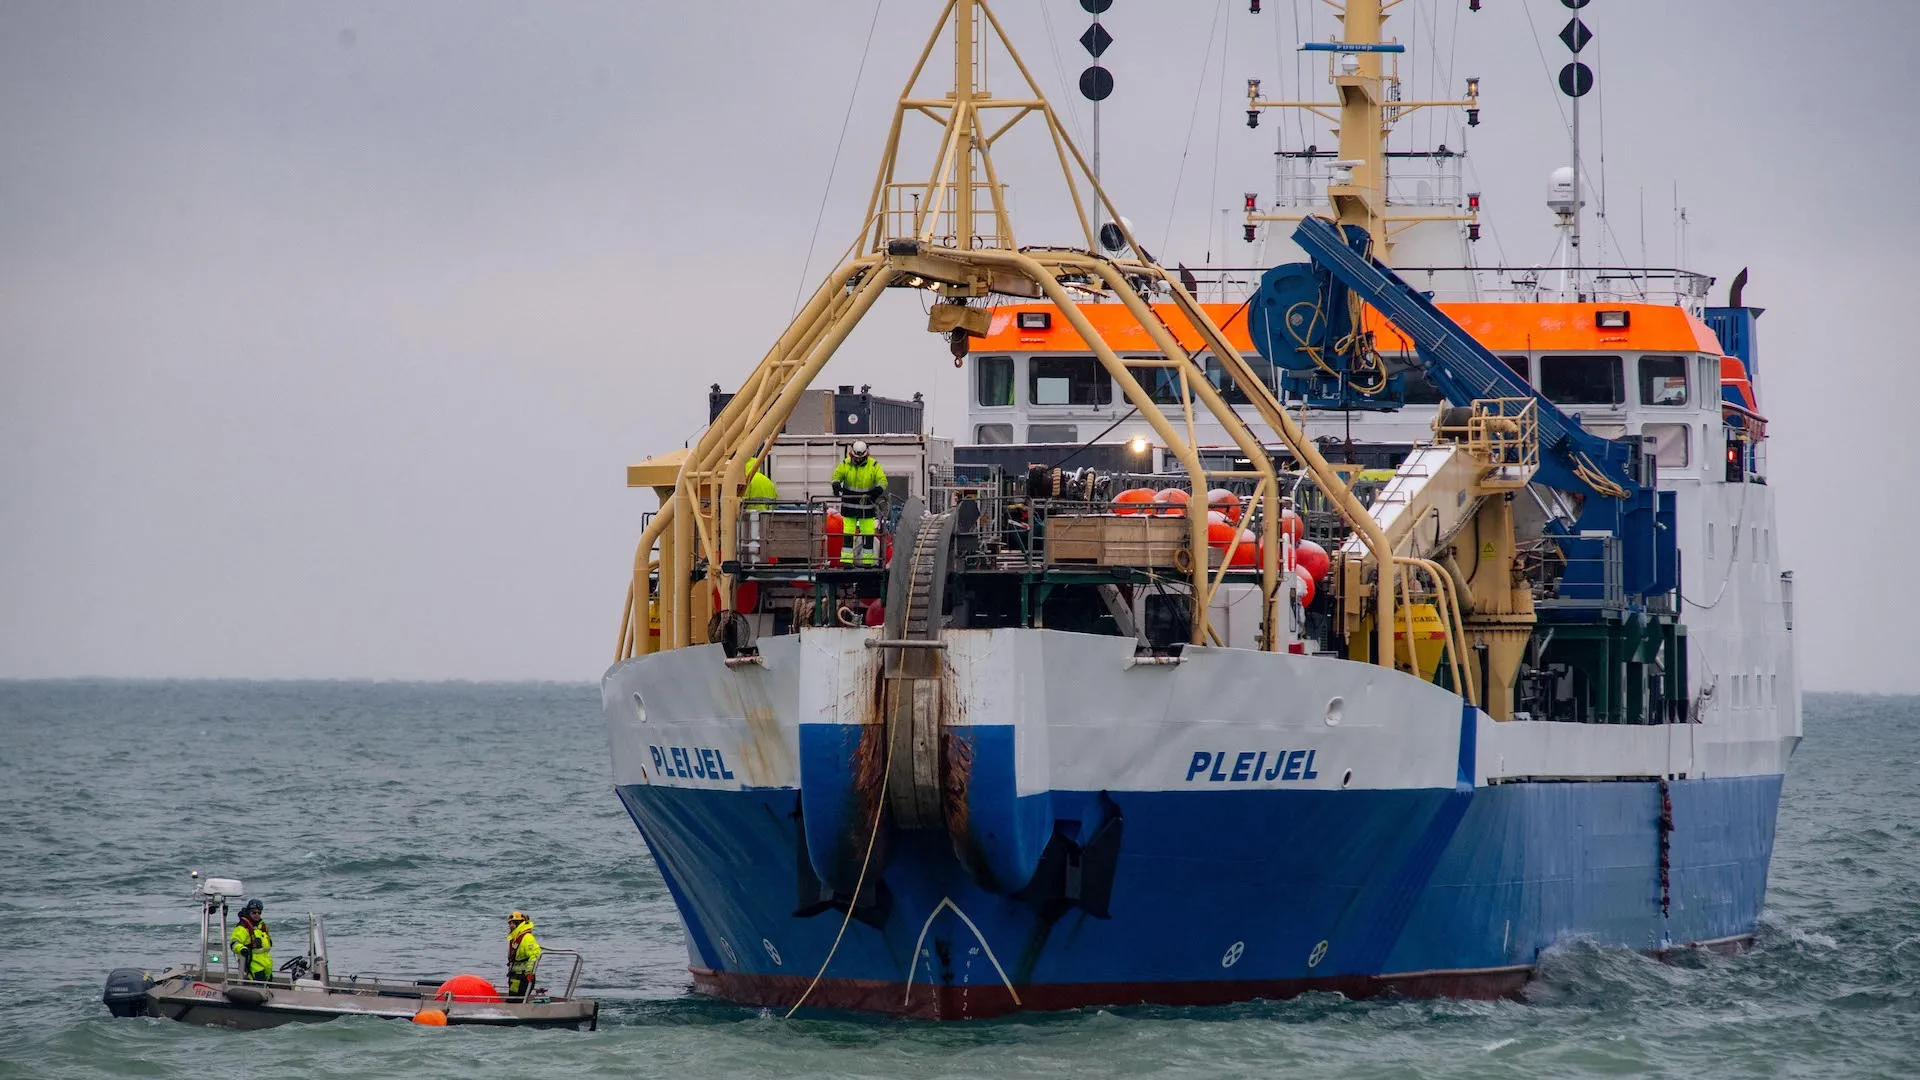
x=1304 y=319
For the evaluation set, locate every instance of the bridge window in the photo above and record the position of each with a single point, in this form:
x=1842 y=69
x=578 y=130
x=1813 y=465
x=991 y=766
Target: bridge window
x=1670 y=441
x=1223 y=382
x=1521 y=366
x=1582 y=379
x=1067 y=380
x=1663 y=380
x=993 y=434
x=1053 y=433
x=1161 y=384
x=993 y=378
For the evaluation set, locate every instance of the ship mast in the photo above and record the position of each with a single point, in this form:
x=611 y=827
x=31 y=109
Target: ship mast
x=1367 y=106
x=934 y=235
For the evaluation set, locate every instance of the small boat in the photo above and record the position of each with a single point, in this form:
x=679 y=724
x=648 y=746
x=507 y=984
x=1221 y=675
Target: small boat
x=210 y=990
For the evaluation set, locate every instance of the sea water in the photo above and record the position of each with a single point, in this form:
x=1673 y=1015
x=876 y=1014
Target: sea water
x=414 y=817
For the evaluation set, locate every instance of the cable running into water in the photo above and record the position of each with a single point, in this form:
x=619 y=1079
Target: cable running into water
x=879 y=812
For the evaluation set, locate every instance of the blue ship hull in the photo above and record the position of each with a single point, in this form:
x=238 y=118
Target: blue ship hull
x=1219 y=895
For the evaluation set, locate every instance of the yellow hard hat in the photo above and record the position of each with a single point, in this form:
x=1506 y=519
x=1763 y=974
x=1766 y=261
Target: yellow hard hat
x=516 y=917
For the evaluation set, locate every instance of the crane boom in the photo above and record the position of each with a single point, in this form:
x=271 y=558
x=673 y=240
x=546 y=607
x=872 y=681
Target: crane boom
x=1571 y=458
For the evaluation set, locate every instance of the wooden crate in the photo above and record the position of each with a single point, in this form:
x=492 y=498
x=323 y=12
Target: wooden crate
x=1116 y=539
x=783 y=537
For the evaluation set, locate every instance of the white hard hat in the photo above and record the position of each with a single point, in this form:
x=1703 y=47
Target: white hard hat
x=859 y=447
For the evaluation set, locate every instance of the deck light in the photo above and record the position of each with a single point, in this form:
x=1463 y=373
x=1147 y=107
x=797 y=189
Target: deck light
x=1035 y=320
x=1610 y=320
x=1473 y=86
x=1137 y=444
x=1249 y=233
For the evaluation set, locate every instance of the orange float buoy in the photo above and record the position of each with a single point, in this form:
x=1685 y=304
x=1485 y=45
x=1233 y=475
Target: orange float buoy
x=432 y=1017
x=1134 y=501
x=1216 y=517
x=1291 y=524
x=1171 y=501
x=1219 y=533
x=467 y=988
x=1313 y=559
x=1226 y=502
x=1307 y=587
x=1248 y=552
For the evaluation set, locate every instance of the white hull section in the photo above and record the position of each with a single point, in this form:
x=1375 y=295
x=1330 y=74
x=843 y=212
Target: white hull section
x=1086 y=716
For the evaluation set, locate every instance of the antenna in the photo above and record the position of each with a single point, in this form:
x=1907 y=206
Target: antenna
x=1576 y=79
x=1643 y=233
x=1368 y=106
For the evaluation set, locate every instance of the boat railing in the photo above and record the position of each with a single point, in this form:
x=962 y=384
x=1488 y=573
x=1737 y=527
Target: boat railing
x=906 y=215
x=573 y=973
x=1575 y=573
x=1664 y=285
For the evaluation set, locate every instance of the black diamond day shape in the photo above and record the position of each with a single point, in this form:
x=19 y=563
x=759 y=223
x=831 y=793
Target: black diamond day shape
x=1096 y=40
x=1575 y=35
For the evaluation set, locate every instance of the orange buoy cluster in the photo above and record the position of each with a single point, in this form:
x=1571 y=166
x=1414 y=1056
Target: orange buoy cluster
x=1225 y=510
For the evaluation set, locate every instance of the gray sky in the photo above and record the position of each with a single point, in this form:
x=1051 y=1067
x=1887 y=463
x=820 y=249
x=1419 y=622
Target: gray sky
x=326 y=329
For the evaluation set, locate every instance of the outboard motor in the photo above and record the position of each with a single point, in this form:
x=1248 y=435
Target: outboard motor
x=126 y=992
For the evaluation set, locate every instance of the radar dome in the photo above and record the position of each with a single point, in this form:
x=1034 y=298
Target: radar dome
x=1560 y=190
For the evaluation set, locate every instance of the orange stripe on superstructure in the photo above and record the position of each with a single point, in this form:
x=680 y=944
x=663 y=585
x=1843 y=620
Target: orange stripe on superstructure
x=1540 y=328
x=1115 y=325
x=1501 y=327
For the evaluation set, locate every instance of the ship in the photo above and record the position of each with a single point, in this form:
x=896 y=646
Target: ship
x=1376 y=630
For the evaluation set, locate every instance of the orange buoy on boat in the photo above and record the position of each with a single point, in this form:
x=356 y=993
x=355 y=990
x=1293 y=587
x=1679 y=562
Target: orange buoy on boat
x=1313 y=559
x=1134 y=501
x=1171 y=501
x=1291 y=524
x=1226 y=502
x=1307 y=587
x=1248 y=553
x=467 y=988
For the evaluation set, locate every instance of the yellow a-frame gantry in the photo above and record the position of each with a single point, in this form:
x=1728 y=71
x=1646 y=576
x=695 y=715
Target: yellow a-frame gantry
x=938 y=234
